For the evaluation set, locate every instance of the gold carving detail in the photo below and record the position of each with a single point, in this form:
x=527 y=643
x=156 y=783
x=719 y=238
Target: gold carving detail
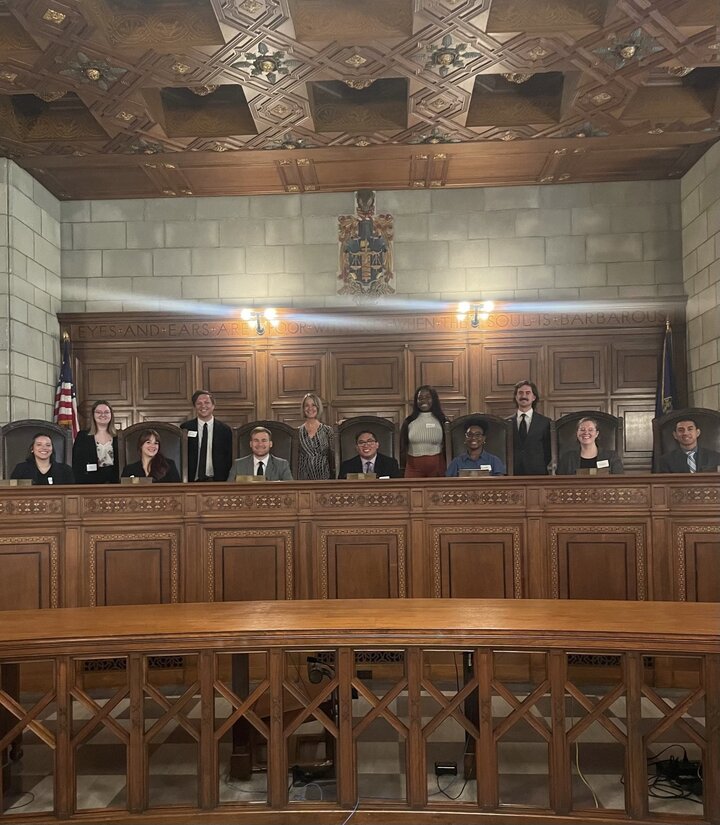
x=695 y=495
x=491 y=495
x=438 y=532
x=53 y=16
x=52 y=542
x=398 y=532
x=249 y=501
x=31 y=506
x=134 y=504
x=287 y=535
x=364 y=500
x=600 y=495
x=639 y=533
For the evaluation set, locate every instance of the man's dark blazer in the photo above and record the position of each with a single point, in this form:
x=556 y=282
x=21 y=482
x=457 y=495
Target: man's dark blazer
x=222 y=448
x=531 y=458
x=675 y=461
x=384 y=466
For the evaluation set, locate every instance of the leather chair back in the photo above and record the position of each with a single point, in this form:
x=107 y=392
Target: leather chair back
x=498 y=437
x=16 y=438
x=173 y=444
x=348 y=430
x=285 y=442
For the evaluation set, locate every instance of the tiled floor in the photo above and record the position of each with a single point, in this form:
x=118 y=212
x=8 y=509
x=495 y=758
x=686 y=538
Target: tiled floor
x=522 y=762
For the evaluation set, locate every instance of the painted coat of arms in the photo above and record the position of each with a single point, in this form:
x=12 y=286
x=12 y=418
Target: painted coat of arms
x=366 y=260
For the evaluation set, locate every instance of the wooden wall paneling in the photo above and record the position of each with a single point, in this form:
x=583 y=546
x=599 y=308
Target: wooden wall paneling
x=263 y=401
x=228 y=374
x=359 y=562
x=557 y=410
x=444 y=368
x=395 y=413
x=292 y=373
x=599 y=561
x=30 y=577
x=165 y=377
x=477 y=562
x=104 y=374
x=636 y=366
x=578 y=370
x=476 y=382
x=504 y=366
x=249 y=564
x=637 y=431
x=134 y=567
x=696 y=551
x=376 y=375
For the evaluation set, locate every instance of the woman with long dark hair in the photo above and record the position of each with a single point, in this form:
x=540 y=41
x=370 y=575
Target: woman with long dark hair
x=422 y=436
x=152 y=462
x=95 y=451
x=40 y=466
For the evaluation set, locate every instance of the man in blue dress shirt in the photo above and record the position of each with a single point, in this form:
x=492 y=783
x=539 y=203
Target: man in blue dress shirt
x=475 y=457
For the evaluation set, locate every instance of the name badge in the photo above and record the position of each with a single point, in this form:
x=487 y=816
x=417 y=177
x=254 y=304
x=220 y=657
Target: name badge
x=486 y=467
x=91 y=468
x=192 y=433
x=430 y=424
x=50 y=481
x=603 y=463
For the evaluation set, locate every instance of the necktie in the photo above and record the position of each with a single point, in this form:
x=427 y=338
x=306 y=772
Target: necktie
x=523 y=427
x=202 y=455
x=368 y=465
x=260 y=470
x=692 y=466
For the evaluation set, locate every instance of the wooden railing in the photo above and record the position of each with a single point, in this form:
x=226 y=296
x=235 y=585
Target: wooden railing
x=206 y=671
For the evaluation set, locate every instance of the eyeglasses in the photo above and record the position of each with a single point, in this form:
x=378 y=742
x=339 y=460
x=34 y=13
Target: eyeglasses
x=367 y=442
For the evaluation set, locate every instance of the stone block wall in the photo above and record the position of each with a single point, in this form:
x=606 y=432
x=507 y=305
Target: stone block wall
x=531 y=243
x=700 y=191
x=30 y=294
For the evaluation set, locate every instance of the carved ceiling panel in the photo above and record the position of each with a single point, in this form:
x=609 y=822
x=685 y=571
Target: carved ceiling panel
x=90 y=90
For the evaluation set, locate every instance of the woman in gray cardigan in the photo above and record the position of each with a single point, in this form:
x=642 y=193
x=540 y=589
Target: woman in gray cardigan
x=590 y=455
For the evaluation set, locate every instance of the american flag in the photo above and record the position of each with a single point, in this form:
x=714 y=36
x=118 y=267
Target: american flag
x=65 y=412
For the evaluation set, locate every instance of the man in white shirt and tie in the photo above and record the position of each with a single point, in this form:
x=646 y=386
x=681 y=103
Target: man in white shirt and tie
x=261 y=462
x=531 y=433
x=689 y=456
x=209 y=441
x=369 y=460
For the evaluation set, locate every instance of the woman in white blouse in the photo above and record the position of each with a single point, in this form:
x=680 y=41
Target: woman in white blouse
x=95 y=452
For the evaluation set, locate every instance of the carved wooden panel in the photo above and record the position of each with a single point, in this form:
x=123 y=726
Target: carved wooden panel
x=396 y=413
x=376 y=376
x=476 y=562
x=598 y=562
x=104 y=374
x=29 y=572
x=445 y=369
x=165 y=377
x=637 y=430
x=228 y=375
x=635 y=368
x=503 y=367
x=249 y=565
x=697 y=562
x=577 y=370
x=292 y=374
x=132 y=568
x=361 y=563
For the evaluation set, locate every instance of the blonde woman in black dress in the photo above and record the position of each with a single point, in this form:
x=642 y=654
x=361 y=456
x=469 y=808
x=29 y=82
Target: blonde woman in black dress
x=317 y=459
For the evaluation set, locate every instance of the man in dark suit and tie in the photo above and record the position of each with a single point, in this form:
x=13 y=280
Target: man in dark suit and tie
x=209 y=441
x=531 y=433
x=369 y=460
x=260 y=462
x=689 y=456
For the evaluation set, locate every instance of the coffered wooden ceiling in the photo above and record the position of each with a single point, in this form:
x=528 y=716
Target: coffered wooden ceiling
x=145 y=98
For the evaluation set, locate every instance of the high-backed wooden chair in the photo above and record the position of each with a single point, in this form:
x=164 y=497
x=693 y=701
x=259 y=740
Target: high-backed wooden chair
x=173 y=444
x=498 y=437
x=16 y=437
x=563 y=432
x=347 y=432
x=285 y=442
x=707 y=421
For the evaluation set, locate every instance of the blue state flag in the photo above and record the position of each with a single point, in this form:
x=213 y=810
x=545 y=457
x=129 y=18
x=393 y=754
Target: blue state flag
x=666 y=398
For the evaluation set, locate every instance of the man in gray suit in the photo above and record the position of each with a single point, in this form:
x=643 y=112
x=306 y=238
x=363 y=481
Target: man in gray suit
x=261 y=462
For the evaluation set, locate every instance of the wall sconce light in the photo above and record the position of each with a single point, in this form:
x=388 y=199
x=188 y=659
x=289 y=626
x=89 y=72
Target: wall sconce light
x=481 y=312
x=256 y=318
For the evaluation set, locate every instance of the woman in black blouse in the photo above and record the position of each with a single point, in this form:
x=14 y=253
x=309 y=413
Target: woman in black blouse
x=95 y=452
x=590 y=455
x=152 y=462
x=41 y=467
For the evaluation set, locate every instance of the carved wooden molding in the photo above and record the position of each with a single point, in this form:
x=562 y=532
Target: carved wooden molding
x=695 y=495
x=134 y=504
x=31 y=506
x=474 y=497
x=52 y=542
x=398 y=532
x=248 y=501
x=385 y=499
x=679 y=554
x=640 y=566
x=132 y=537
x=473 y=531
x=602 y=495
x=287 y=535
